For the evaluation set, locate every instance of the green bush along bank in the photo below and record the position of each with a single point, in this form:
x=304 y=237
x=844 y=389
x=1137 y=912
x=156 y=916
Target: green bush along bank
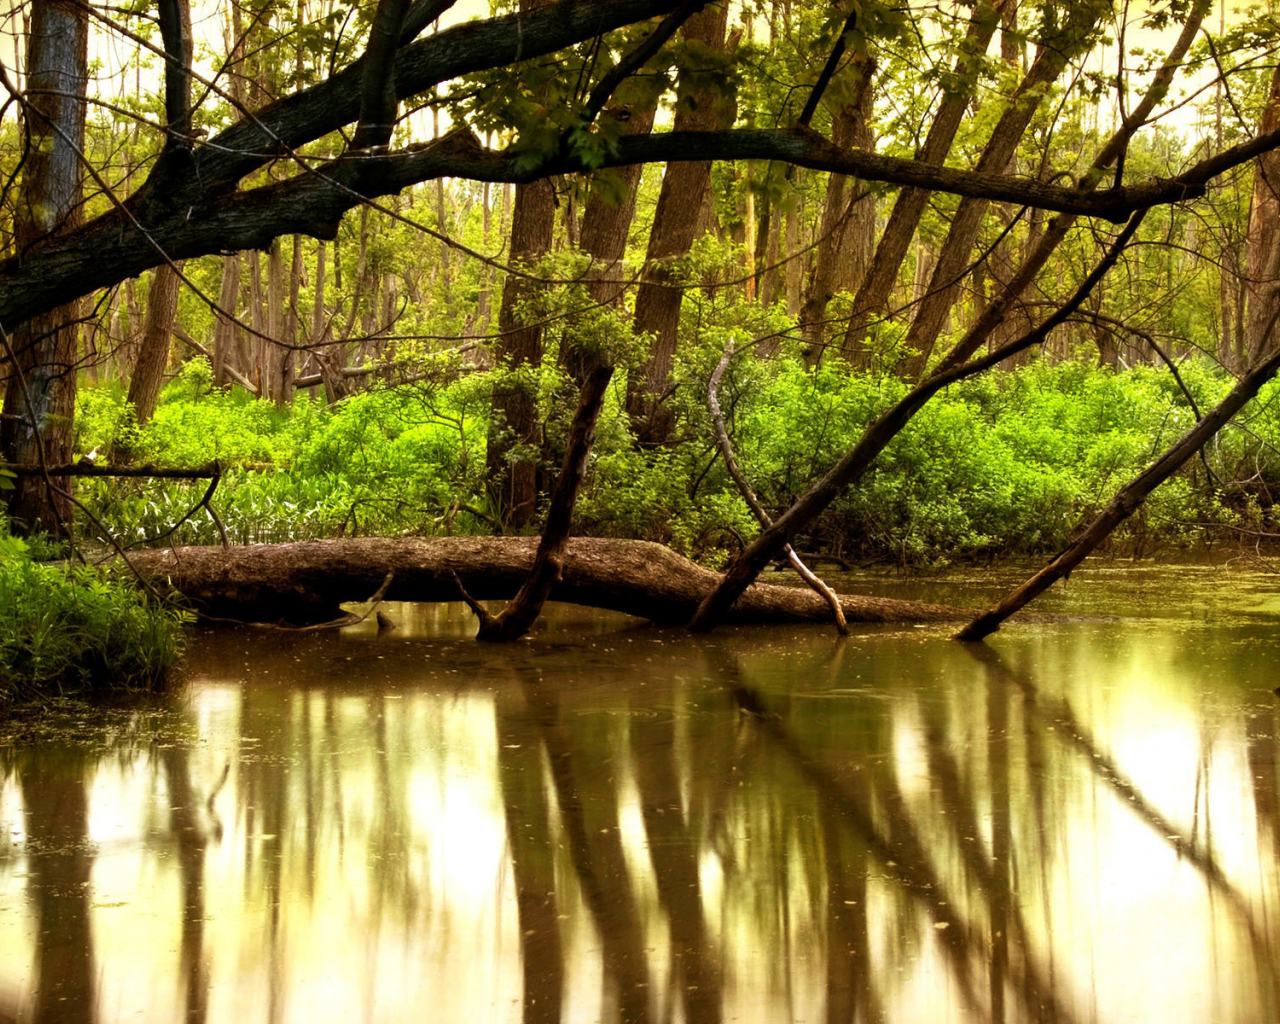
x=1003 y=465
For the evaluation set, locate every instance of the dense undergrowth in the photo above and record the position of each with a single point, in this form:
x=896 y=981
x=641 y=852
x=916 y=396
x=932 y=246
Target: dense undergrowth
x=1007 y=464
x=75 y=630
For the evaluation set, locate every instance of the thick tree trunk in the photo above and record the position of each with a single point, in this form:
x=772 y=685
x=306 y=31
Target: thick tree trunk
x=846 y=230
x=606 y=224
x=307 y=581
x=1263 y=248
x=514 y=420
x=41 y=358
x=157 y=334
x=674 y=229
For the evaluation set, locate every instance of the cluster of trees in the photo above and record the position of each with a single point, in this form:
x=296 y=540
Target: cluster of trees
x=311 y=193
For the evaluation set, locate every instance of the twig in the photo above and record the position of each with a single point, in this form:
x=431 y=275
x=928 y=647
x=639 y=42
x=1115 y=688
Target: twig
x=204 y=501
x=480 y=611
x=749 y=495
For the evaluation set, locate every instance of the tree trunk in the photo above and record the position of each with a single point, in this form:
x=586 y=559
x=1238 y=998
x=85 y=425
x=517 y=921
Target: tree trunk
x=40 y=363
x=293 y=321
x=157 y=334
x=307 y=581
x=482 y=299
x=846 y=229
x=1263 y=247
x=515 y=620
x=514 y=419
x=258 y=371
x=226 y=332
x=271 y=366
x=795 y=266
x=684 y=186
x=935 y=305
x=442 y=224
x=873 y=295
x=318 y=332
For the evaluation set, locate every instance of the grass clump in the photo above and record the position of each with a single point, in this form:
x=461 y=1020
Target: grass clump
x=76 y=630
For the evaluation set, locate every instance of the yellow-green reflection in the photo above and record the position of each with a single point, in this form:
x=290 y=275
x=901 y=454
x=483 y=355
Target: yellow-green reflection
x=1078 y=822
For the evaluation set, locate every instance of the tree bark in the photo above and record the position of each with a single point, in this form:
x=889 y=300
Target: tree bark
x=292 y=324
x=873 y=294
x=40 y=395
x=307 y=581
x=673 y=232
x=949 y=271
x=1263 y=246
x=271 y=365
x=514 y=418
x=157 y=333
x=225 y=331
x=514 y=414
x=846 y=230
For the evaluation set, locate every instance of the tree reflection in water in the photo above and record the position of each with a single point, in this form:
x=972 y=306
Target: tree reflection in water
x=59 y=863
x=632 y=826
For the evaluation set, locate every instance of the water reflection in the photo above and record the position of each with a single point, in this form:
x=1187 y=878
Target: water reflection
x=614 y=823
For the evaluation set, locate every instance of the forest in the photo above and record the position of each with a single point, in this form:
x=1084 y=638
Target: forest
x=623 y=303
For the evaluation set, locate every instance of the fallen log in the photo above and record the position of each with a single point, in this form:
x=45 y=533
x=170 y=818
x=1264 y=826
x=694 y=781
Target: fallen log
x=307 y=581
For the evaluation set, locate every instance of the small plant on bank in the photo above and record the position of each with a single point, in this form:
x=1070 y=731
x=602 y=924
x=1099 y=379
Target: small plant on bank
x=76 y=630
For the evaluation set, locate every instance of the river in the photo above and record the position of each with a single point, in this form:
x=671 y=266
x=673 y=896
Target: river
x=1077 y=821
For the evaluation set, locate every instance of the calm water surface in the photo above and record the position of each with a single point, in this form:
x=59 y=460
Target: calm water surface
x=1076 y=822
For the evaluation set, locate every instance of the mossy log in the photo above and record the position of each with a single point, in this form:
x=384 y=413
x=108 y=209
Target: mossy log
x=307 y=581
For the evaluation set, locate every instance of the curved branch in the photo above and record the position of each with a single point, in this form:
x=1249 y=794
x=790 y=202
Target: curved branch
x=749 y=495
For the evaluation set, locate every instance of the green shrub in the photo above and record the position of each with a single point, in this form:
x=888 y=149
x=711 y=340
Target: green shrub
x=71 y=630
x=1009 y=463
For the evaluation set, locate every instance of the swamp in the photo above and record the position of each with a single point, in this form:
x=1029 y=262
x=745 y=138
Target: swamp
x=639 y=510
x=615 y=821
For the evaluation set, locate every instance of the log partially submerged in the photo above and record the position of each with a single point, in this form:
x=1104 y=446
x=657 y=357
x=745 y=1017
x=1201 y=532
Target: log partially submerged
x=307 y=581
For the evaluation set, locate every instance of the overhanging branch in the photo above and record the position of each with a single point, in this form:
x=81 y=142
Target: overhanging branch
x=111 y=248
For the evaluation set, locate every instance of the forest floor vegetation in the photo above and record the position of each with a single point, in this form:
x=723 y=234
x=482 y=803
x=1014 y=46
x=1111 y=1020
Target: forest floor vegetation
x=1002 y=466
x=78 y=630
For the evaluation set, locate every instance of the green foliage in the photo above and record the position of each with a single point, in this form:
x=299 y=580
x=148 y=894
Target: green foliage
x=1005 y=464
x=71 y=630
